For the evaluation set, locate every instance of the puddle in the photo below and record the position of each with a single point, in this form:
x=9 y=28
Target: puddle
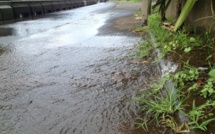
x=6 y=31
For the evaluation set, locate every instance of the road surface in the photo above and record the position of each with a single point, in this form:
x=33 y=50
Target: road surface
x=70 y=72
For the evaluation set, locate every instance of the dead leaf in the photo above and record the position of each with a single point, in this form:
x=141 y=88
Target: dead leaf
x=142 y=62
x=138 y=31
x=199 y=83
x=123 y=73
x=185 y=127
x=122 y=80
x=168 y=26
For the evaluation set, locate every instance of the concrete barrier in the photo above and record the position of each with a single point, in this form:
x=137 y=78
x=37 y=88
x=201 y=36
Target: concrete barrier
x=81 y=3
x=16 y=10
x=69 y=5
x=1 y=16
x=36 y=9
x=91 y=2
x=21 y=10
x=47 y=7
x=63 y=5
x=56 y=6
x=85 y=3
x=74 y=3
x=6 y=12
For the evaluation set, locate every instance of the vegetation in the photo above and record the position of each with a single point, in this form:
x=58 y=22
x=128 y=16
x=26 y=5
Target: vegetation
x=186 y=10
x=161 y=102
x=196 y=114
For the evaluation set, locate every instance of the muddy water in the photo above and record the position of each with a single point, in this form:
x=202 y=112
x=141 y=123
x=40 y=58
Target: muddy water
x=60 y=75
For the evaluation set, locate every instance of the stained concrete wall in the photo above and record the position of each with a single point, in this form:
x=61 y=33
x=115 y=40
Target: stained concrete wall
x=36 y=9
x=196 y=19
x=6 y=12
x=21 y=10
x=47 y=7
x=16 y=10
x=172 y=10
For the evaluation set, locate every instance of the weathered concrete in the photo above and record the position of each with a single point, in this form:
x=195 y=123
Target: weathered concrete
x=196 y=20
x=75 y=4
x=63 y=5
x=91 y=2
x=47 y=7
x=26 y=9
x=80 y=3
x=200 y=17
x=68 y=4
x=36 y=9
x=145 y=4
x=21 y=10
x=6 y=12
x=172 y=10
x=56 y=6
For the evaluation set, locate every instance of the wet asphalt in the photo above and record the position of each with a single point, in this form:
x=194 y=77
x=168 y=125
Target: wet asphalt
x=70 y=72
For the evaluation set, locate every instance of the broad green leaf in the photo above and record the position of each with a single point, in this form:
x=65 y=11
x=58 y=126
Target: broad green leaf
x=185 y=12
x=187 y=50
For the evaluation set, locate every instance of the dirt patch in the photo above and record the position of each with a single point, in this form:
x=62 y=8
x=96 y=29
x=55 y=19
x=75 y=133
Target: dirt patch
x=127 y=23
x=123 y=24
x=197 y=57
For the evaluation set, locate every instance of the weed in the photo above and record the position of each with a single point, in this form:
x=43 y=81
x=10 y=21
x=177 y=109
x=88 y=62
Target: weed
x=170 y=122
x=189 y=73
x=208 y=89
x=197 y=116
x=143 y=123
x=161 y=102
x=158 y=104
x=144 y=49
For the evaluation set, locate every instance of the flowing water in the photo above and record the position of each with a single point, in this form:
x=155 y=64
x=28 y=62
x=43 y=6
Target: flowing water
x=60 y=75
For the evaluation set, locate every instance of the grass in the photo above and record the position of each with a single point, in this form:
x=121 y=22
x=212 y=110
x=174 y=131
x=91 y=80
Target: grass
x=168 y=41
x=197 y=116
x=160 y=103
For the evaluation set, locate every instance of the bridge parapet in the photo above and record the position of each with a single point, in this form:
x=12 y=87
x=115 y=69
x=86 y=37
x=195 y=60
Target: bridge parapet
x=18 y=10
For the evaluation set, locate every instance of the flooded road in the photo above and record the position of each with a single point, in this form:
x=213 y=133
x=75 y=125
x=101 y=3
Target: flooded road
x=70 y=73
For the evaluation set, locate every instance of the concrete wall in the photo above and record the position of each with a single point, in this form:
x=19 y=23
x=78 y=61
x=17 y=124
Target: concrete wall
x=172 y=10
x=18 y=10
x=201 y=9
x=196 y=19
x=6 y=12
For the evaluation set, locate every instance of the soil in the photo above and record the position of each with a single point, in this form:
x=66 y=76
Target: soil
x=197 y=58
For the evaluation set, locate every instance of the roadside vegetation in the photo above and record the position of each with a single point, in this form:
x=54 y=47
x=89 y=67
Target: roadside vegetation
x=190 y=91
